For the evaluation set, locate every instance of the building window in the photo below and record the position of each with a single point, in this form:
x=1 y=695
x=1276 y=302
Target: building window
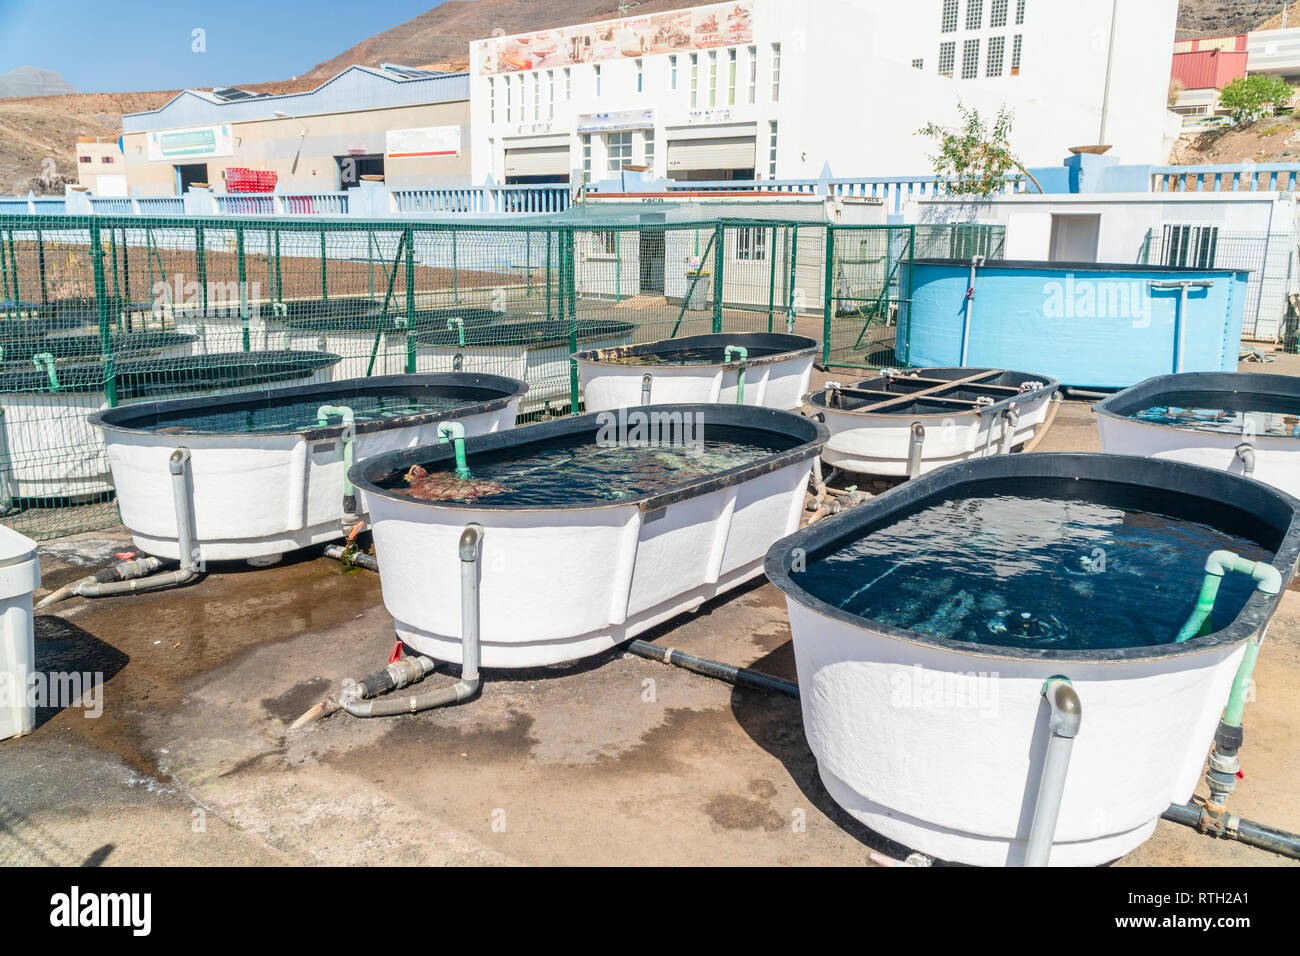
x=83 y=159
x=550 y=94
x=1020 y=12
x=731 y=76
x=1191 y=247
x=640 y=75
x=536 y=83
x=585 y=139
x=776 y=72
x=771 y=149
x=695 y=79
x=509 y=99
x=751 y=244
x=649 y=140
x=998 y=16
x=947 y=57
x=918 y=64
x=672 y=72
x=608 y=242
x=752 y=54
x=970 y=59
x=106 y=159
x=974 y=14
x=492 y=99
x=492 y=157
x=997 y=48
x=713 y=77
x=596 y=70
x=1015 y=55
x=568 y=85
x=618 y=150
x=949 y=23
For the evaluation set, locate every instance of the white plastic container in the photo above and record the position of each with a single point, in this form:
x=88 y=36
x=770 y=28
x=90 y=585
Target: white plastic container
x=1274 y=459
x=536 y=351
x=939 y=745
x=53 y=452
x=20 y=575
x=566 y=581
x=872 y=422
x=260 y=494
x=775 y=371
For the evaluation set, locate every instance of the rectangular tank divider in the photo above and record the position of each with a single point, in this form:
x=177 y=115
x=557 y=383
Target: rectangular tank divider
x=929 y=392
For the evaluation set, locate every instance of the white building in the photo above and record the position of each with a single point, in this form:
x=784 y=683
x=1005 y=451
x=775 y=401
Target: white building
x=773 y=89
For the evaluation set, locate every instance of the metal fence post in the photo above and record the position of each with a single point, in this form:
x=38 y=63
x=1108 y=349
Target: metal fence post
x=201 y=267
x=718 y=237
x=410 y=299
x=242 y=271
x=828 y=303
x=101 y=303
x=40 y=267
x=571 y=288
x=771 y=279
x=324 y=271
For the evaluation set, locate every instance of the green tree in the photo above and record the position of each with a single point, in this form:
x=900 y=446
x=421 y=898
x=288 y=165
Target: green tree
x=1248 y=98
x=976 y=158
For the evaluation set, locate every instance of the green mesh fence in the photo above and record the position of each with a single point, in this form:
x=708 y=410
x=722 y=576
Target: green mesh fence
x=96 y=311
x=867 y=278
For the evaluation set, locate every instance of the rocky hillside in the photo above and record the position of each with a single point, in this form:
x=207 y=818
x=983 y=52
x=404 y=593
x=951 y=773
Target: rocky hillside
x=1198 y=18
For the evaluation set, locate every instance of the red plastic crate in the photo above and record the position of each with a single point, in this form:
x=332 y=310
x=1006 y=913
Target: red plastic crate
x=240 y=180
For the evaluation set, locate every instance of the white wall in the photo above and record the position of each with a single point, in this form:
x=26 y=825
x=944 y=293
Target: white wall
x=850 y=97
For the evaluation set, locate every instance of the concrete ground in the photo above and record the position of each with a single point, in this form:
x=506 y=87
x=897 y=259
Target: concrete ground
x=614 y=760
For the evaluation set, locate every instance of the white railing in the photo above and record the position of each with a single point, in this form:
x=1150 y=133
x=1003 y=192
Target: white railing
x=1237 y=177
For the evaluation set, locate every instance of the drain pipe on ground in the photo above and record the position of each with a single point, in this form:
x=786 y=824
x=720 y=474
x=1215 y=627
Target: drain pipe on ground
x=358 y=698
x=130 y=577
x=1065 y=716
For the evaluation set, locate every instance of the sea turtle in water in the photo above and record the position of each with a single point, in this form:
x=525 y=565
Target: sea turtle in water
x=444 y=486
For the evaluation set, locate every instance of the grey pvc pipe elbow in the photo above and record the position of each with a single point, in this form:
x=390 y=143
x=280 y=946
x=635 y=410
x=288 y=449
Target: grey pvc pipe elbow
x=1246 y=453
x=1066 y=714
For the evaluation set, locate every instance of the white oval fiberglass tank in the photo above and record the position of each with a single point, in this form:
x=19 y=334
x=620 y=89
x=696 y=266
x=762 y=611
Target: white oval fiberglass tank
x=598 y=531
x=535 y=350
x=962 y=413
x=748 y=368
x=364 y=330
x=1239 y=422
x=54 y=452
x=267 y=476
x=926 y=621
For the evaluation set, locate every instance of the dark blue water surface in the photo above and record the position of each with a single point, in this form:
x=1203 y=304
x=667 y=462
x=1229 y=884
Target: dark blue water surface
x=1246 y=422
x=576 y=470
x=1015 y=571
x=288 y=417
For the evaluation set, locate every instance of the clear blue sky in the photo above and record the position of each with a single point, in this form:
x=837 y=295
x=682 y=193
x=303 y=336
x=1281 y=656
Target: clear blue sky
x=126 y=45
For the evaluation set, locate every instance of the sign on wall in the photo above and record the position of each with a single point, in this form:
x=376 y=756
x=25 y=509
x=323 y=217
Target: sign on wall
x=619 y=119
x=423 y=141
x=722 y=24
x=195 y=142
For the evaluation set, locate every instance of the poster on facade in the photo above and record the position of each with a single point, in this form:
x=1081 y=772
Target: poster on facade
x=193 y=142
x=423 y=141
x=722 y=24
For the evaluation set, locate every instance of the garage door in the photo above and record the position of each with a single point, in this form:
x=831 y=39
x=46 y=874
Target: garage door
x=538 y=161
x=732 y=152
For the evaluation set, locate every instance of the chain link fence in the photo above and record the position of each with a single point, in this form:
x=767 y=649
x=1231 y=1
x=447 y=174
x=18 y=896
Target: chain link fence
x=96 y=311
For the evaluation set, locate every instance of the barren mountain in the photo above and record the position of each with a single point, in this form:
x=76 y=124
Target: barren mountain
x=440 y=37
x=33 y=81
